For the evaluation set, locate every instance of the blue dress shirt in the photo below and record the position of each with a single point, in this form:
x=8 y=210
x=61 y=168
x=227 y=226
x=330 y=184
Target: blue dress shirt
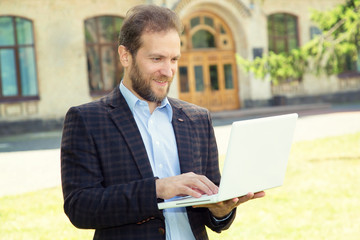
x=159 y=139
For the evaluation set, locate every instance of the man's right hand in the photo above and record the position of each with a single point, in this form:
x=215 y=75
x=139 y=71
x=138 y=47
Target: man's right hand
x=185 y=184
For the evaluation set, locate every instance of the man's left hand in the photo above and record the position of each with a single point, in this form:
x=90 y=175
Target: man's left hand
x=222 y=209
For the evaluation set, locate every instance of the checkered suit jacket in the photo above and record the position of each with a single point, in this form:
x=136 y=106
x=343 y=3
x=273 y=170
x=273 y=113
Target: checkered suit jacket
x=107 y=180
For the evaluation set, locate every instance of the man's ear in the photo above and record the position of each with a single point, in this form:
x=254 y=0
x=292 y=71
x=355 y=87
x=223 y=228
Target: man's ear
x=124 y=56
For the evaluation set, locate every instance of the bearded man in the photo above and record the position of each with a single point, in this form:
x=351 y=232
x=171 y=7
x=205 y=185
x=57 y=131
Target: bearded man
x=135 y=147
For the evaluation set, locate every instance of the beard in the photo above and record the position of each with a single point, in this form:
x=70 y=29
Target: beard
x=142 y=86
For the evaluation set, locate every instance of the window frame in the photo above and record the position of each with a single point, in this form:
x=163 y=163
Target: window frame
x=273 y=37
x=19 y=97
x=98 y=45
x=223 y=39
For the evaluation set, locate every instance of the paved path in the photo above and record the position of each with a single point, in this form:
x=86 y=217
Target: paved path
x=29 y=170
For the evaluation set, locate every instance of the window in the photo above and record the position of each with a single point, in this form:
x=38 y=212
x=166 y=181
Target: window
x=205 y=31
x=228 y=76
x=314 y=31
x=18 y=76
x=350 y=65
x=199 y=78
x=184 y=83
x=283 y=37
x=214 y=80
x=203 y=39
x=282 y=32
x=104 y=68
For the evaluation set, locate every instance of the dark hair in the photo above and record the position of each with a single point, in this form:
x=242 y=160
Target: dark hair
x=150 y=18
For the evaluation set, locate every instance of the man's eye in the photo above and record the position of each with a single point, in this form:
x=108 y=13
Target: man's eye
x=156 y=59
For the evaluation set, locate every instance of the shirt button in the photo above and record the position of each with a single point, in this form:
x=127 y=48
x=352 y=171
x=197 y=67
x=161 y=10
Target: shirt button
x=161 y=230
x=157 y=143
x=160 y=165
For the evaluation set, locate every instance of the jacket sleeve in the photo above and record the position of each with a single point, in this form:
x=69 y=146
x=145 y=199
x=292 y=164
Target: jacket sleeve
x=89 y=201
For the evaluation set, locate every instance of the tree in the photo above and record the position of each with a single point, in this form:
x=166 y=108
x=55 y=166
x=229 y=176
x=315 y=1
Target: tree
x=329 y=52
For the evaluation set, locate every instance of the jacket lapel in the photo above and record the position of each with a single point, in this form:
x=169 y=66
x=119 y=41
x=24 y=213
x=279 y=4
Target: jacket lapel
x=182 y=128
x=121 y=115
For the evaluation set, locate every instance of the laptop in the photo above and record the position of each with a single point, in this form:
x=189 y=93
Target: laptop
x=256 y=160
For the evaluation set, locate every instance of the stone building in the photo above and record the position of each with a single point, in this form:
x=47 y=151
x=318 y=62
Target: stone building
x=59 y=53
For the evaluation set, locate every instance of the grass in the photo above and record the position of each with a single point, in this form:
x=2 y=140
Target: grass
x=319 y=200
x=38 y=215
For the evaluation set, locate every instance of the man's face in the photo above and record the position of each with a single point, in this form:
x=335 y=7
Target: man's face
x=155 y=64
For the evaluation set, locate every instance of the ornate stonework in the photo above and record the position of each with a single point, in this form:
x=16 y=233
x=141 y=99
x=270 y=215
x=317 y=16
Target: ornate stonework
x=238 y=4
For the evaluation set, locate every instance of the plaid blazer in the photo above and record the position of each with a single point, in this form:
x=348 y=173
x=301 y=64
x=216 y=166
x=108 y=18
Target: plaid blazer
x=107 y=180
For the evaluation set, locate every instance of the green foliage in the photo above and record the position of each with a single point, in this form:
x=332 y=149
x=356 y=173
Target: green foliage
x=329 y=53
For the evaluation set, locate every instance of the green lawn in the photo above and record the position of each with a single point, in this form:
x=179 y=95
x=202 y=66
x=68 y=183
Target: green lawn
x=319 y=200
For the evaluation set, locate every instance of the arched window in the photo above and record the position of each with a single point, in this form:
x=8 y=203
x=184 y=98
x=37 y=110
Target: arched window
x=205 y=31
x=203 y=39
x=104 y=68
x=18 y=76
x=282 y=32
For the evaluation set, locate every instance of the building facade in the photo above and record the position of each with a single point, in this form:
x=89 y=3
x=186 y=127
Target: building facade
x=56 y=54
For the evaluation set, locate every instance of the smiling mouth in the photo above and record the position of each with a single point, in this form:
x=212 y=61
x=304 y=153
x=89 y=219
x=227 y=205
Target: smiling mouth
x=161 y=81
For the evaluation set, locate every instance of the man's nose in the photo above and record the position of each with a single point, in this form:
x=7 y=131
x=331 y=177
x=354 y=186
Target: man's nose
x=168 y=70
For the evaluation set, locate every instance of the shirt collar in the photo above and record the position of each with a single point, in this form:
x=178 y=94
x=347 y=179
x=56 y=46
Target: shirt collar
x=132 y=100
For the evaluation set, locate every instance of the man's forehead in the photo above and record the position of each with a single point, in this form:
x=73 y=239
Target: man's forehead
x=161 y=43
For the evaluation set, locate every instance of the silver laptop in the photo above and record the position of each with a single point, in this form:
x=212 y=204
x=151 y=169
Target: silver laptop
x=256 y=160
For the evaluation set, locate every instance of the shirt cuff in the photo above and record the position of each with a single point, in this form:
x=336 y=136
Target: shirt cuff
x=219 y=221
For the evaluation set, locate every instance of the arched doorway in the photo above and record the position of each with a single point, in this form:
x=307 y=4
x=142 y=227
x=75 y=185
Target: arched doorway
x=207 y=67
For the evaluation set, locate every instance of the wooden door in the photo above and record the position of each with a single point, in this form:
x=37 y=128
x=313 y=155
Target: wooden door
x=207 y=68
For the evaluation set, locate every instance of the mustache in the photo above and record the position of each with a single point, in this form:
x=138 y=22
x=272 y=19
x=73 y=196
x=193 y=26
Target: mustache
x=163 y=78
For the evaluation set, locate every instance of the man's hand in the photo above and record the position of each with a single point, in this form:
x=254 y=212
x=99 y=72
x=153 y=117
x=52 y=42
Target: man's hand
x=222 y=209
x=185 y=184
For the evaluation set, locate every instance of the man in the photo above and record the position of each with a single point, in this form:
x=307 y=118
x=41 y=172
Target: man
x=124 y=153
